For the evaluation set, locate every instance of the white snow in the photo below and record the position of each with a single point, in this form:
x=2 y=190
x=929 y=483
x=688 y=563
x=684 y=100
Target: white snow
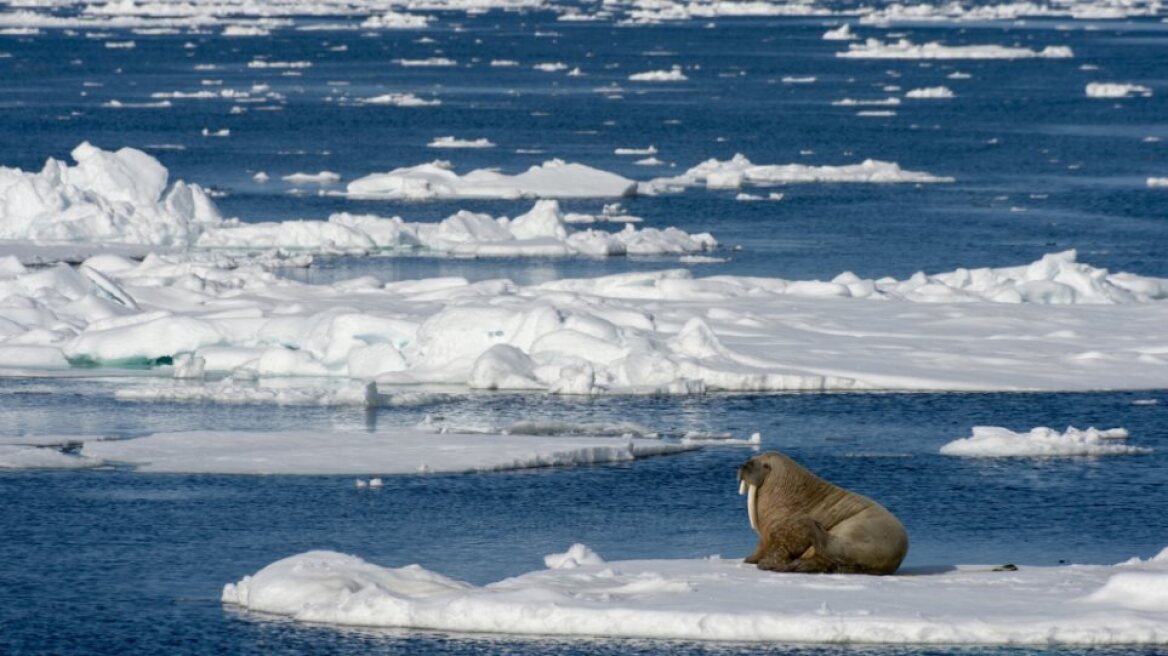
x=452 y=142
x=930 y=93
x=672 y=75
x=998 y=442
x=117 y=197
x=1116 y=90
x=1055 y=324
x=716 y=599
x=401 y=100
x=905 y=49
x=394 y=451
x=552 y=179
x=737 y=171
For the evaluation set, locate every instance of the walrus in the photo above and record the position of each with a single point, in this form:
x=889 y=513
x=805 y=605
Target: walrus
x=806 y=524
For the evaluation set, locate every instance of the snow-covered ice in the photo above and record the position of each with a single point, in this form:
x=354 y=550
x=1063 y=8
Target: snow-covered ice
x=122 y=196
x=999 y=442
x=672 y=75
x=1055 y=324
x=544 y=231
x=580 y=594
x=930 y=93
x=905 y=49
x=1116 y=90
x=401 y=100
x=322 y=177
x=391 y=451
x=552 y=179
x=841 y=33
x=737 y=171
x=454 y=142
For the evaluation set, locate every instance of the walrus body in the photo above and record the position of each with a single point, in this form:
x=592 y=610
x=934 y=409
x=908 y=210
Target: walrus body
x=806 y=524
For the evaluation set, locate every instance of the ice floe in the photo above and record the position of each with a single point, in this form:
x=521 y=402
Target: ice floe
x=388 y=452
x=323 y=177
x=930 y=93
x=580 y=594
x=738 y=171
x=552 y=179
x=1159 y=183
x=1055 y=324
x=841 y=33
x=401 y=100
x=672 y=75
x=905 y=49
x=544 y=231
x=453 y=142
x=1116 y=90
x=123 y=197
x=998 y=442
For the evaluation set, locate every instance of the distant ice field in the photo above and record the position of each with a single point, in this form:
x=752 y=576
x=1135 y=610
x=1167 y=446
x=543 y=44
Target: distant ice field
x=1038 y=165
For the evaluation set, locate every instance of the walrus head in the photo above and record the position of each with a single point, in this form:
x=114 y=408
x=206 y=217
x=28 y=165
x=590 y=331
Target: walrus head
x=751 y=476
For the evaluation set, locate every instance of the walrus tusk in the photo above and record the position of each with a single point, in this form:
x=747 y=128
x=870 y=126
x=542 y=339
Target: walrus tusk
x=751 y=502
x=741 y=488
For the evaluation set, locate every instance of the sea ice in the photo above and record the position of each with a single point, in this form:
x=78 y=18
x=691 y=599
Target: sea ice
x=735 y=172
x=714 y=599
x=672 y=75
x=930 y=93
x=452 y=142
x=904 y=49
x=391 y=451
x=1116 y=90
x=117 y=197
x=998 y=442
x=1055 y=324
x=552 y=179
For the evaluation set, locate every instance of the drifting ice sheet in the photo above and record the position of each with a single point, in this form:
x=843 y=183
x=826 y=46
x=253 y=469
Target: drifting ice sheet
x=402 y=451
x=905 y=49
x=998 y=442
x=717 y=599
x=552 y=179
x=737 y=171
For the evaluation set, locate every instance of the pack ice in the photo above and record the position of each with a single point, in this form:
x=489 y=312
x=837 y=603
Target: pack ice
x=117 y=197
x=1056 y=324
x=552 y=179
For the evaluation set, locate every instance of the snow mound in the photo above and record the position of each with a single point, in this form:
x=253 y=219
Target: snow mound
x=117 y=197
x=905 y=49
x=1116 y=90
x=715 y=599
x=552 y=179
x=737 y=171
x=998 y=442
x=400 y=451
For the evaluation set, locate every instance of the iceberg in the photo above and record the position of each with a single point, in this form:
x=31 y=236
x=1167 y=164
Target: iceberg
x=552 y=179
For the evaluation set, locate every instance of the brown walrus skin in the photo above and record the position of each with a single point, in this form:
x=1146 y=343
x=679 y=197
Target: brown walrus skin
x=806 y=524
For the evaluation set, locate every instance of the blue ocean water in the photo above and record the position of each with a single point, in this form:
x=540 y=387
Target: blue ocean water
x=115 y=562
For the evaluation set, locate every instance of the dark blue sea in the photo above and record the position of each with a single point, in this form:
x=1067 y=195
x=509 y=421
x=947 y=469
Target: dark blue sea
x=116 y=562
